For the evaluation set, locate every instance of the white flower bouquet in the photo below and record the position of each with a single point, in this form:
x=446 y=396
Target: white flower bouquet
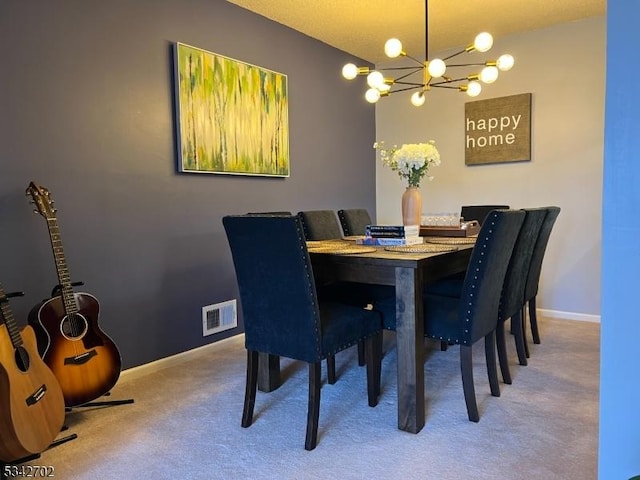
x=412 y=161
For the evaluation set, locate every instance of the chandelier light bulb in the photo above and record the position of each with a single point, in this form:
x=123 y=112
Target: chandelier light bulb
x=393 y=48
x=483 y=42
x=505 y=62
x=474 y=88
x=349 y=71
x=375 y=79
x=418 y=99
x=385 y=87
x=489 y=74
x=372 y=95
x=437 y=68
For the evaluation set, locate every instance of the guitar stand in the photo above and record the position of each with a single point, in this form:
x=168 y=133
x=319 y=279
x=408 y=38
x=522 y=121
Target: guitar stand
x=5 y=466
x=104 y=403
x=7 y=296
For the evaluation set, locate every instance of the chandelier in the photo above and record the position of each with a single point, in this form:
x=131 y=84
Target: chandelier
x=433 y=72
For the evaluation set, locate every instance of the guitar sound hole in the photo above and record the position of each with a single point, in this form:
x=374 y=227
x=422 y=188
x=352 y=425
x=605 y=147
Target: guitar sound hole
x=22 y=359
x=74 y=326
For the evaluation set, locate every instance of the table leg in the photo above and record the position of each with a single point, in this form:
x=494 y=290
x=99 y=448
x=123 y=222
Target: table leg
x=268 y=372
x=410 y=348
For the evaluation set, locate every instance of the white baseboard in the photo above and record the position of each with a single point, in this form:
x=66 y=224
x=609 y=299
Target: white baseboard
x=583 y=317
x=176 y=359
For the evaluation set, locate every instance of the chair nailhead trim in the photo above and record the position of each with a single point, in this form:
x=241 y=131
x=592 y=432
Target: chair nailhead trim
x=475 y=277
x=302 y=244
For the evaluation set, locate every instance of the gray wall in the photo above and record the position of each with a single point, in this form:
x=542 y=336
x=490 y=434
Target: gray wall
x=87 y=111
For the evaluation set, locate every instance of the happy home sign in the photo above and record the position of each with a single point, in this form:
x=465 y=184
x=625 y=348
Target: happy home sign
x=498 y=130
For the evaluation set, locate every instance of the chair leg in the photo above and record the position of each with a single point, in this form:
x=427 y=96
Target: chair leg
x=250 y=388
x=523 y=319
x=361 y=356
x=378 y=360
x=373 y=354
x=331 y=369
x=517 y=324
x=443 y=346
x=313 y=410
x=501 y=344
x=466 y=368
x=490 y=358
x=533 y=319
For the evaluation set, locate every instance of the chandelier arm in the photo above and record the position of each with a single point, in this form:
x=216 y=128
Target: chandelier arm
x=467 y=65
x=437 y=85
x=416 y=70
x=454 y=55
x=400 y=68
x=405 y=89
x=409 y=83
x=414 y=59
x=453 y=80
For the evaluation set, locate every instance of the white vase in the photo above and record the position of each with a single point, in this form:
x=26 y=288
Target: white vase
x=411 y=206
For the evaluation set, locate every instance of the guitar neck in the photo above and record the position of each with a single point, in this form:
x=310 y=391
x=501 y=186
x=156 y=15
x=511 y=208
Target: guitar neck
x=9 y=321
x=64 y=279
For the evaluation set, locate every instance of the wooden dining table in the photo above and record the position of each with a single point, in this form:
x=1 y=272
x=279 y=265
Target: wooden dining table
x=409 y=273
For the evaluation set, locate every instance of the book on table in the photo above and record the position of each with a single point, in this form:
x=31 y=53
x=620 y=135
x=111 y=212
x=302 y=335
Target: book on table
x=389 y=241
x=392 y=231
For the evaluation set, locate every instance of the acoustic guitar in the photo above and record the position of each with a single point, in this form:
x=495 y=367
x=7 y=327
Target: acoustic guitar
x=83 y=358
x=31 y=402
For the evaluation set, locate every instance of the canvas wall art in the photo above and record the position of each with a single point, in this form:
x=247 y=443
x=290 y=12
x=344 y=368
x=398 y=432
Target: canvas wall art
x=498 y=130
x=232 y=117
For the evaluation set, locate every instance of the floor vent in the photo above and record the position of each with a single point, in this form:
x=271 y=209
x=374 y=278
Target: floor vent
x=219 y=317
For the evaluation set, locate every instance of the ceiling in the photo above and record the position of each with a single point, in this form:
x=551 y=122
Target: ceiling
x=360 y=27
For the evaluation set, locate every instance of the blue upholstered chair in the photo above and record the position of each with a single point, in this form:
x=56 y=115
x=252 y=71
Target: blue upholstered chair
x=323 y=225
x=354 y=221
x=473 y=315
x=479 y=212
x=320 y=224
x=282 y=314
x=465 y=312
x=512 y=299
x=533 y=277
x=452 y=285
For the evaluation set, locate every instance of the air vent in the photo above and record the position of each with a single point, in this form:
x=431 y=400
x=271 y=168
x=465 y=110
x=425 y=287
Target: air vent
x=219 y=317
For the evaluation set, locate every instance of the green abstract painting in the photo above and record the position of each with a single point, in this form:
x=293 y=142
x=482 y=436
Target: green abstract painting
x=232 y=117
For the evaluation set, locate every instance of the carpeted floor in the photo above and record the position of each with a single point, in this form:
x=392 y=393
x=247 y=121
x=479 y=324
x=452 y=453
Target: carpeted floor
x=185 y=422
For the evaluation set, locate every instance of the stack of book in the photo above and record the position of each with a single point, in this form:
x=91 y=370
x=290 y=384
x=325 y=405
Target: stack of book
x=391 y=235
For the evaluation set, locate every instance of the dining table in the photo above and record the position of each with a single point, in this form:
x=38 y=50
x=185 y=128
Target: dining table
x=409 y=273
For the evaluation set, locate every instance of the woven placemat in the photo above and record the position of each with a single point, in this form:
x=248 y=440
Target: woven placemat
x=424 y=248
x=328 y=243
x=353 y=238
x=343 y=249
x=451 y=240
